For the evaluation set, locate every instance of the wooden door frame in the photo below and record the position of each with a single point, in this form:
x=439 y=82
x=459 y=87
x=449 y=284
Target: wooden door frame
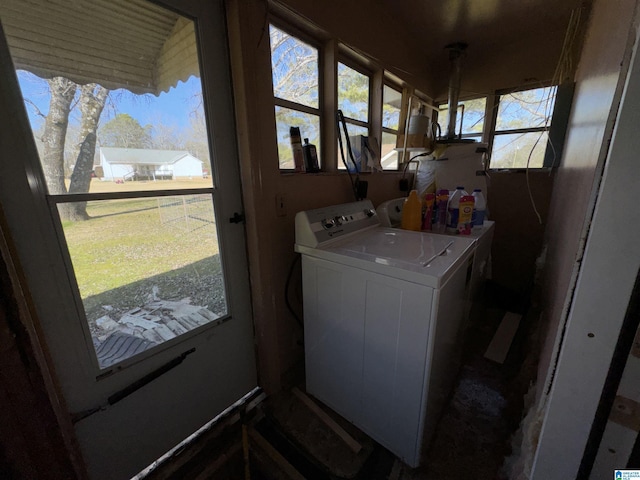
x=42 y=440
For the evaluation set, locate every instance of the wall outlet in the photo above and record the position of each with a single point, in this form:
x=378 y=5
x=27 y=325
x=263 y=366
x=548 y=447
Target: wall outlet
x=281 y=210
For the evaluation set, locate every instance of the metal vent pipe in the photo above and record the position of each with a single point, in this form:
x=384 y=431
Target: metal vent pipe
x=456 y=51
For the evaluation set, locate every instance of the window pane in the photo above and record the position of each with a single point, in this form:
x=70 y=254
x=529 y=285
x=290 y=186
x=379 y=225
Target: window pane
x=352 y=130
x=512 y=150
x=309 y=128
x=474 y=111
x=294 y=66
x=473 y=118
x=391 y=105
x=142 y=142
x=526 y=109
x=389 y=157
x=152 y=274
x=353 y=93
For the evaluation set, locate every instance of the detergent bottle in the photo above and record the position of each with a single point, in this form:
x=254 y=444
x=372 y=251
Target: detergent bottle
x=412 y=212
x=465 y=209
x=440 y=213
x=427 y=219
x=479 y=209
x=453 y=209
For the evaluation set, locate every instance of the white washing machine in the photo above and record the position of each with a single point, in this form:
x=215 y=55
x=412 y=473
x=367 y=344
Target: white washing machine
x=383 y=310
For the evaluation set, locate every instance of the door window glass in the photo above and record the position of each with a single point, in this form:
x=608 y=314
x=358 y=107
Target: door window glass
x=126 y=160
x=152 y=274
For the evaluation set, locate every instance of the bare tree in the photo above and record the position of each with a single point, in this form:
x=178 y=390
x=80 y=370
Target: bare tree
x=63 y=92
x=196 y=141
x=166 y=136
x=92 y=100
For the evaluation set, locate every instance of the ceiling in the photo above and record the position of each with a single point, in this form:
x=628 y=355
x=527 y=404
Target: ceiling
x=482 y=23
x=510 y=42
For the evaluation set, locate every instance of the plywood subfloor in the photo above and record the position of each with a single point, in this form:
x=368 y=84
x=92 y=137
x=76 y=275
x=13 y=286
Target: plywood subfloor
x=314 y=435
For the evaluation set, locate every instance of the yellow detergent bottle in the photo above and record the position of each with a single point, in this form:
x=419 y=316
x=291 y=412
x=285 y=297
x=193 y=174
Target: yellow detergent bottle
x=412 y=212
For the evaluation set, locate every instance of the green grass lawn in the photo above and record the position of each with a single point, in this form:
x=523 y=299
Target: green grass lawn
x=140 y=242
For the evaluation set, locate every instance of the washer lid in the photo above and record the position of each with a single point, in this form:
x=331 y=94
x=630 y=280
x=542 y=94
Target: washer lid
x=416 y=256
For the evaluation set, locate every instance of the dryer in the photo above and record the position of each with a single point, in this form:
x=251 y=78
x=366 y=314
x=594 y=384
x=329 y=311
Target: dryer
x=390 y=215
x=383 y=310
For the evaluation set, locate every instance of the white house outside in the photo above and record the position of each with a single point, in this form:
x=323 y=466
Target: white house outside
x=122 y=164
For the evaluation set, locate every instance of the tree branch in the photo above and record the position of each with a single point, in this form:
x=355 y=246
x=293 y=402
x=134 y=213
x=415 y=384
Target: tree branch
x=35 y=107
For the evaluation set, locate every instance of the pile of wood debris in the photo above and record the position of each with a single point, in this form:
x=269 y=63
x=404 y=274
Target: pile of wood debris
x=144 y=327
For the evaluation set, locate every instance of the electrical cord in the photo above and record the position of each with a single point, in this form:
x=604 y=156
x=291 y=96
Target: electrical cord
x=563 y=69
x=340 y=120
x=533 y=202
x=286 y=291
x=348 y=141
x=423 y=154
x=404 y=170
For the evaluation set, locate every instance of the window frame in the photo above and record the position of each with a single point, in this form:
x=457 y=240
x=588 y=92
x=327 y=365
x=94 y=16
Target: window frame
x=493 y=131
x=398 y=89
x=331 y=52
x=487 y=118
x=348 y=61
x=288 y=104
x=54 y=201
x=354 y=65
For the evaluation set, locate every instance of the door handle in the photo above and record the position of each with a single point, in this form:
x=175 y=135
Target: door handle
x=237 y=218
x=137 y=385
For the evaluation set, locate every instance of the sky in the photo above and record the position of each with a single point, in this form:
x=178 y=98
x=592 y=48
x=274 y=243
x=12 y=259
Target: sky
x=172 y=108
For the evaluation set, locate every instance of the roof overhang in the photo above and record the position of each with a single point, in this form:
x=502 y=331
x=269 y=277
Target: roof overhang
x=132 y=44
x=143 y=156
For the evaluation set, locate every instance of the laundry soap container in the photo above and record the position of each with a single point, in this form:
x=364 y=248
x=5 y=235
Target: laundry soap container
x=465 y=214
x=412 y=212
x=453 y=209
x=479 y=208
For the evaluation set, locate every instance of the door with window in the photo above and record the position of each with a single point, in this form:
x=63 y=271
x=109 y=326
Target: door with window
x=126 y=207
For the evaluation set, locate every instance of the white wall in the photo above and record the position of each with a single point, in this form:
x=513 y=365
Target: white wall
x=188 y=166
x=603 y=289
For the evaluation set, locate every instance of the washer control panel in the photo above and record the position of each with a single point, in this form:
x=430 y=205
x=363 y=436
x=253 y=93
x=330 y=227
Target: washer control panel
x=315 y=227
